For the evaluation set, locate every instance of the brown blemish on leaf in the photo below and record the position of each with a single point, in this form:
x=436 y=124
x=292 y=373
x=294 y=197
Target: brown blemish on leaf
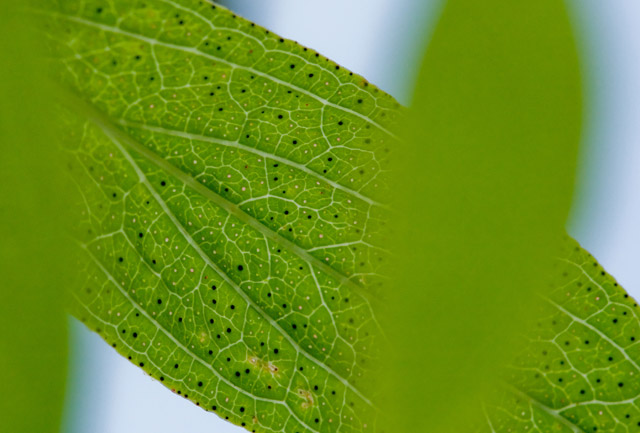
x=266 y=366
x=307 y=396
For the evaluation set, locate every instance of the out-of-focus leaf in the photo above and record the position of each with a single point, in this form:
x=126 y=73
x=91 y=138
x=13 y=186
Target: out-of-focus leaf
x=33 y=249
x=483 y=187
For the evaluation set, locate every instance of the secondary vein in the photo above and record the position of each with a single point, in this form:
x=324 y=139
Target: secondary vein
x=207 y=259
x=182 y=346
x=196 y=52
x=238 y=145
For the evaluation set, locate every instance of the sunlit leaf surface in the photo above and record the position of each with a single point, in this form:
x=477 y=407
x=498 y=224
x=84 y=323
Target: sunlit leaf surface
x=232 y=184
x=580 y=368
x=233 y=188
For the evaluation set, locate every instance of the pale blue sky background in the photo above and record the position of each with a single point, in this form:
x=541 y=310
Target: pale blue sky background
x=376 y=38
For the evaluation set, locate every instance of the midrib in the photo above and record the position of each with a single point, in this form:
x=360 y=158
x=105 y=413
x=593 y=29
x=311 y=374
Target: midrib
x=229 y=206
x=232 y=209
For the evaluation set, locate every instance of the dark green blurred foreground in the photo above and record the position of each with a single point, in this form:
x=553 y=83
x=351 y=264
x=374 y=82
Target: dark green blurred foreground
x=33 y=252
x=483 y=192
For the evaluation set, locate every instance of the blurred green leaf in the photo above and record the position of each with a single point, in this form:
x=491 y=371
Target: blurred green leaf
x=483 y=188
x=33 y=249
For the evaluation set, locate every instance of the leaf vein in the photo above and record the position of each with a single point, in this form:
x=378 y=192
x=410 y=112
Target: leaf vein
x=196 y=52
x=232 y=283
x=181 y=346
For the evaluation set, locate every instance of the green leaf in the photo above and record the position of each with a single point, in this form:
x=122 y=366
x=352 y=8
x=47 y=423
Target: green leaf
x=233 y=187
x=484 y=186
x=34 y=252
x=232 y=184
x=579 y=369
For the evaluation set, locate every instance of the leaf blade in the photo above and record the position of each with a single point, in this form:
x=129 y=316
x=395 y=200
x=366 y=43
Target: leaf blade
x=34 y=253
x=581 y=363
x=484 y=182
x=138 y=165
x=131 y=148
